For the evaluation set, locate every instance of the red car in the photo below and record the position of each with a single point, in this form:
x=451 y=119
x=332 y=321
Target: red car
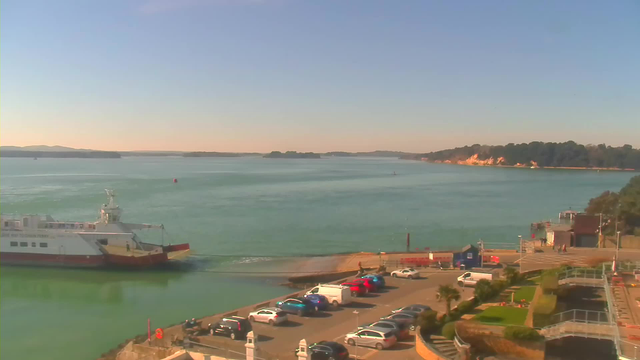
x=368 y=283
x=357 y=289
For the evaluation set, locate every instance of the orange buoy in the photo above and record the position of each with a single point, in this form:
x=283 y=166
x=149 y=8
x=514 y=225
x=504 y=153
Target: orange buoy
x=159 y=333
x=175 y=181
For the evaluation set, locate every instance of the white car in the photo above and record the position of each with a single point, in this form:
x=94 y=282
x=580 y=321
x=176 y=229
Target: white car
x=408 y=273
x=377 y=338
x=272 y=316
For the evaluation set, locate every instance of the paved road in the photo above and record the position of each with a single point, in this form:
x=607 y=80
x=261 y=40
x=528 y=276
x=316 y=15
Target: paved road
x=280 y=341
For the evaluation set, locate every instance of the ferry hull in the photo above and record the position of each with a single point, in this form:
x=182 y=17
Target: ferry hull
x=86 y=261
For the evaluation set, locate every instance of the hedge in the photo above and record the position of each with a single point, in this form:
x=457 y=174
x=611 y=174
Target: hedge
x=449 y=330
x=520 y=333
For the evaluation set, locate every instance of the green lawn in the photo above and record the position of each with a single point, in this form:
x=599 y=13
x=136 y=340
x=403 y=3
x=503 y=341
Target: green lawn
x=526 y=293
x=503 y=315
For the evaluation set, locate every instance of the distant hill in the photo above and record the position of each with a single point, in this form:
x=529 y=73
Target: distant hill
x=55 y=148
x=538 y=154
x=61 y=154
x=217 y=154
x=377 y=153
x=291 y=155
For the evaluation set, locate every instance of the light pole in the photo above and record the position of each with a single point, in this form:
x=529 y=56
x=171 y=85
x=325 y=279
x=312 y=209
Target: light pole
x=357 y=324
x=617 y=244
x=481 y=251
x=521 y=248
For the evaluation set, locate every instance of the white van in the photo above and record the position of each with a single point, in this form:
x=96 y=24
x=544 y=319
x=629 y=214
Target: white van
x=336 y=294
x=470 y=278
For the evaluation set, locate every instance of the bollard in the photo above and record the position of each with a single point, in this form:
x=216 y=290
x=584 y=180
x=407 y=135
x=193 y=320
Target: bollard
x=251 y=346
x=302 y=350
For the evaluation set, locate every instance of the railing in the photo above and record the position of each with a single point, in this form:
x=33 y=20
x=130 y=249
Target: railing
x=624 y=349
x=583 y=323
x=582 y=277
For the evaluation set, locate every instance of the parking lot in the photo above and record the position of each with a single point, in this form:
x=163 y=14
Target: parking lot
x=279 y=342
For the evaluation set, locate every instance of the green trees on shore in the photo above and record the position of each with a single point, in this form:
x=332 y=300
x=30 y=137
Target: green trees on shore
x=623 y=207
x=549 y=154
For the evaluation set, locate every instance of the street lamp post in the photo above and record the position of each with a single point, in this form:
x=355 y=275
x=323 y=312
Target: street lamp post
x=357 y=323
x=617 y=244
x=521 y=249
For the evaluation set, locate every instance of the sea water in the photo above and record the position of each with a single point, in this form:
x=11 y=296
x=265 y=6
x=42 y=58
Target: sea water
x=251 y=211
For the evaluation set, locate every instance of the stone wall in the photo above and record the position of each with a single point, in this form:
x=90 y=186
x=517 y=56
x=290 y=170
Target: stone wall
x=488 y=339
x=424 y=349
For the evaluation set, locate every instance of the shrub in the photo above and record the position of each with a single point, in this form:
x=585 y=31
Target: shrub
x=512 y=275
x=520 y=333
x=498 y=286
x=428 y=321
x=465 y=307
x=483 y=290
x=449 y=330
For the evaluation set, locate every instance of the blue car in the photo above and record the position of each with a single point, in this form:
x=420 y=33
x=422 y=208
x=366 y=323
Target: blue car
x=299 y=306
x=319 y=301
x=377 y=279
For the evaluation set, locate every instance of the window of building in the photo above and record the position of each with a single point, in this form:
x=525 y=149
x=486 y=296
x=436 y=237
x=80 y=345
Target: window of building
x=469 y=255
x=44 y=245
x=33 y=244
x=24 y=244
x=14 y=243
x=6 y=223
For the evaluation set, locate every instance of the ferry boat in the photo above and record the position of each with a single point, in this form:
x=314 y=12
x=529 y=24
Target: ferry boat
x=42 y=241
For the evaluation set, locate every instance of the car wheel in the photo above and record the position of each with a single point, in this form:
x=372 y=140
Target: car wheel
x=252 y=319
x=351 y=342
x=300 y=312
x=410 y=277
x=379 y=346
x=354 y=294
x=394 y=275
x=412 y=327
x=233 y=336
x=335 y=303
x=271 y=322
x=332 y=358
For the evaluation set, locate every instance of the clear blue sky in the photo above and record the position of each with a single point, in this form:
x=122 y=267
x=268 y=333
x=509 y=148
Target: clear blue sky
x=262 y=75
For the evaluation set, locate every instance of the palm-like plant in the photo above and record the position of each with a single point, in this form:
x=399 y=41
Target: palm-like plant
x=447 y=293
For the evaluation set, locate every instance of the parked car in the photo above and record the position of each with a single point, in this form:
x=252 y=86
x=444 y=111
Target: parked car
x=326 y=350
x=272 y=316
x=336 y=294
x=377 y=279
x=407 y=317
x=319 y=301
x=400 y=329
x=299 y=306
x=371 y=337
x=415 y=307
x=409 y=273
x=368 y=283
x=357 y=289
x=235 y=327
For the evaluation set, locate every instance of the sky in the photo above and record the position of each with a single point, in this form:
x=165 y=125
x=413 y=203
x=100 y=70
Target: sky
x=322 y=75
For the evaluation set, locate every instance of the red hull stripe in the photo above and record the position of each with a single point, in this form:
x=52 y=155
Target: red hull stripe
x=52 y=260
x=149 y=260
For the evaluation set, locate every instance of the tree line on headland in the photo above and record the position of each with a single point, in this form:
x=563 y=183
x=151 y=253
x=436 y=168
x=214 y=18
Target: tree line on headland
x=539 y=154
x=622 y=207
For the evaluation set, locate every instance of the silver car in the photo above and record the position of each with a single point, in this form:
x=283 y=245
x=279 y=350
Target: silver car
x=376 y=338
x=272 y=316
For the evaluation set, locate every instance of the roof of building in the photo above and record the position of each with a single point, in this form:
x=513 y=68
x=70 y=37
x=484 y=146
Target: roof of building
x=468 y=247
x=560 y=227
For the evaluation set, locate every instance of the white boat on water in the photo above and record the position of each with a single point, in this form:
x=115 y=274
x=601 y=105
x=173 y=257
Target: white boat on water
x=42 y=241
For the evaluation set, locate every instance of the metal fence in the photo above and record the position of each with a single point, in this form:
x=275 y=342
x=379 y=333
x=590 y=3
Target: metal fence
x=582 y=316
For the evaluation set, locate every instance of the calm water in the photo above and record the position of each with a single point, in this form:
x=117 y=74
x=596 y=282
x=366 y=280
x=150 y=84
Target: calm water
x=248 y=207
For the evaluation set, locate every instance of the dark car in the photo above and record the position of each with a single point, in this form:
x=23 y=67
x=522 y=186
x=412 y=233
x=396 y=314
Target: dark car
x=406 y=317
x=400 y=329
x=300 y=306
x=377 y=279
x=415 y=307
x=327 y=350
x=235 y=327
x=319 y=301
